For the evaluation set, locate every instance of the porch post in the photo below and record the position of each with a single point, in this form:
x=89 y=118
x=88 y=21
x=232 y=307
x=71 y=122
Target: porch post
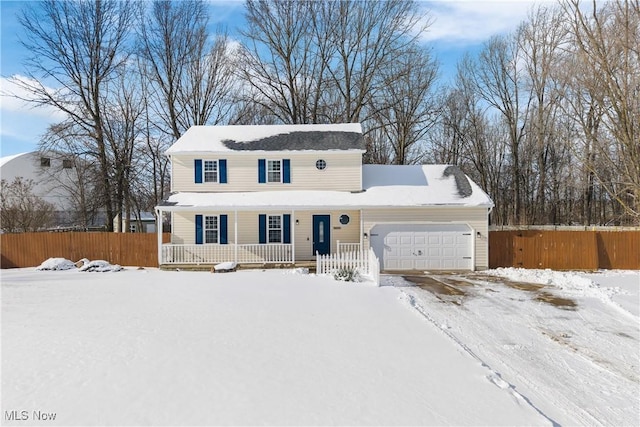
x=361 y=231
x=292 y=227
x=159 y=232
x=235 y=236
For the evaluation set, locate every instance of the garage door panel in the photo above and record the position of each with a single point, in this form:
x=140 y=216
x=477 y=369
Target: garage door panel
x=423 y=246
x=449 y=252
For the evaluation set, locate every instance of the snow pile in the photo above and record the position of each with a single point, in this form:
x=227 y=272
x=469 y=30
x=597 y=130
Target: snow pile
x=570 y=283
x=225 y=266
x=56 y=264
x=100 y=266
x=83 y=265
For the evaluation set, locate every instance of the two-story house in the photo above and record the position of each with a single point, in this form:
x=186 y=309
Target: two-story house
x=284 y=193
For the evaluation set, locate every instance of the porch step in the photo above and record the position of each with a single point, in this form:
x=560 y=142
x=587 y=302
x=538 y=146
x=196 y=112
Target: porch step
x=311 y=265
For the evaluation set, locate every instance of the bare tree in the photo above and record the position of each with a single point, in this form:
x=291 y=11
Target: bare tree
x=80 y=46
x=191 y=79
x=541 y=41
x=497 y=75
x=20 y=209
x=607 y=78
x=405 y=111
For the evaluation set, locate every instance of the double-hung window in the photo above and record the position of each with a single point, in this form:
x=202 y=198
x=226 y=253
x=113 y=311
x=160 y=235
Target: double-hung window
x=275 y=228
x=210 y=229
x=210 y=170
x=274 y=171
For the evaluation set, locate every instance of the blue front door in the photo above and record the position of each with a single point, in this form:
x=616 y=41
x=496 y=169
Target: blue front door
x=321 y=234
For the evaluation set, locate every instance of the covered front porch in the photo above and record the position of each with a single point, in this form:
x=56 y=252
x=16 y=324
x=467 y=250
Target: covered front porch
x=258 y=237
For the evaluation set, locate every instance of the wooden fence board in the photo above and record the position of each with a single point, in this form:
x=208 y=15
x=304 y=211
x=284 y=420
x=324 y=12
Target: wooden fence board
x=565 y=250
x=31 y=249
x=559 y=250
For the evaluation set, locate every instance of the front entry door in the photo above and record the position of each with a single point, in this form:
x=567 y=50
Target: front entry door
x=321 y=234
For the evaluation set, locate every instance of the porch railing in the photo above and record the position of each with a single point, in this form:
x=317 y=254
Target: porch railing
x=347 y=247
x=212 y=254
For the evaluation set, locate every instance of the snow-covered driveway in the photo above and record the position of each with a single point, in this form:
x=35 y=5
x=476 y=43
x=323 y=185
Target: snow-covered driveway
x=567 y=342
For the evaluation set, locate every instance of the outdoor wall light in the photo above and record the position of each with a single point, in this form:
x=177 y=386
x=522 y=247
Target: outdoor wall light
x=366 y=236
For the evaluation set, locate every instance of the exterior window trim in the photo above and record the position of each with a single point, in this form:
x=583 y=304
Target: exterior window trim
x=269 y=170
x=213 y=226
x=271 y=229
x=216 y=171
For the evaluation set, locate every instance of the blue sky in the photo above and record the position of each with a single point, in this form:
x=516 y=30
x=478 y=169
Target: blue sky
x=459 y=26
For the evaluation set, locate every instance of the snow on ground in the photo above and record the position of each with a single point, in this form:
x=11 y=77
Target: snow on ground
x=149 y=347
x=567 y=342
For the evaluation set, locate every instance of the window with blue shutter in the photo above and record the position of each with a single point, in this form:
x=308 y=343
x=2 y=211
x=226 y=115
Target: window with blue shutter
x=223 y=230
x=197 y=166
x=262 y=228
x=262 y=171
x=286 y=228
x=222 y=165
x=286 y=171
x=199 y=236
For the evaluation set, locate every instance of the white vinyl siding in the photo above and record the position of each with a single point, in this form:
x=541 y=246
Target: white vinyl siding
x=301 y=232
x=183 y=226
x=476 y=218
x=343 y=172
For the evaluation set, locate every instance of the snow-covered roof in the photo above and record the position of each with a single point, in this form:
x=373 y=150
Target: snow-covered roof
x=6 y=159
x=206 y=139
x=383 y=185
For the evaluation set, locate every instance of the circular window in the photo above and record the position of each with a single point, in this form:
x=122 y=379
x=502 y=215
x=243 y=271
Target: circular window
x=344 y=219
x=321 y=164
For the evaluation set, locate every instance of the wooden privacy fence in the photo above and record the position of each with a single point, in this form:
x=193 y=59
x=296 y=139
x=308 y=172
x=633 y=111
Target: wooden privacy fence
x=565 y=250
x=31 y=249
x=560 y=250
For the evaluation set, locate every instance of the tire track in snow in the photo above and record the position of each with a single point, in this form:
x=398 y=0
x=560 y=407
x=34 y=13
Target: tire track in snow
x=569 y=398
x=493 y=376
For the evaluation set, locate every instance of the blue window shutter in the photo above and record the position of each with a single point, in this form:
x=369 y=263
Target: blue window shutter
x=222 y=166
x=286 y=228
x=223 y=230
x=262 y=171
x=262 y=228
x=286 y=171
x=198 y=171
x=199 y=236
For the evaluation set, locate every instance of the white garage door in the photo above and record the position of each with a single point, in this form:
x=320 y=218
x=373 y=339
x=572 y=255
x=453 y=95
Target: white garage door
x=423 y=247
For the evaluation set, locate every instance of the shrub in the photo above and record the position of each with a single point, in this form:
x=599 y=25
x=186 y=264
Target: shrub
x=346 y=274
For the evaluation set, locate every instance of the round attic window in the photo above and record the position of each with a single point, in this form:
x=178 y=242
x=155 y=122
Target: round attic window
x=344 y=219
x=321 y=164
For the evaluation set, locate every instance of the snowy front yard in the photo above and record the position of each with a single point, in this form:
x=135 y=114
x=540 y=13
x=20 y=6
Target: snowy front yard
x=146 y=347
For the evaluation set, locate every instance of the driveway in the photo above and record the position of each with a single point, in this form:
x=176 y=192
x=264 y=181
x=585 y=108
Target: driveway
x=570 y=352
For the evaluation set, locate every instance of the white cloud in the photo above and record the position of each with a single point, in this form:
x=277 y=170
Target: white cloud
x=13 y=100
x=22 y=124
x=470 y=22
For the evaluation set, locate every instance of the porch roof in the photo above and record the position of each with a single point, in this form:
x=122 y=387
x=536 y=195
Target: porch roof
x=384 y=187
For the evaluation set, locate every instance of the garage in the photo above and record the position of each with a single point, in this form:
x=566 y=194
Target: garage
x=423 y=246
